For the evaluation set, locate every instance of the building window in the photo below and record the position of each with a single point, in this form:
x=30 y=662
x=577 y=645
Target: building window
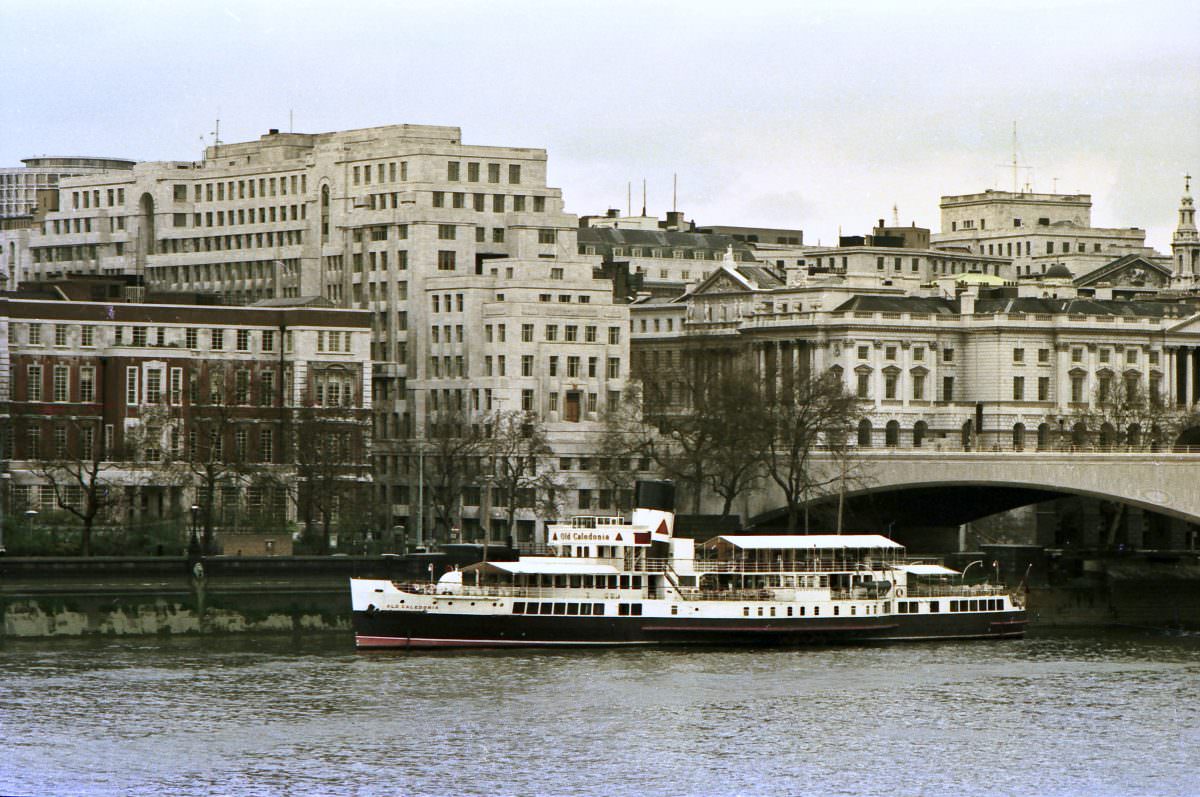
x=1018 y=355
x=62 y=383
x=889 y=386
x=446 y=232
x=131 y=386
x=614 y=336
x=1018 y=388
x=87 y=383
x=947 y=355
x=439 y=199
x=493 y=172
x=527 y=400
x=526 y=365
x=60 y=334
x=1043 y=388
x=243 y=340
x=452 y=171
x=527 y=333
x=87 y=336
x=864 y=352
x=864 y=386
x=446 y=260
x=191 y=338
x=1077 y=389
x=218 y=339
x=947 y=388
x=918 y=387
x=614 y=367
x=547 y=236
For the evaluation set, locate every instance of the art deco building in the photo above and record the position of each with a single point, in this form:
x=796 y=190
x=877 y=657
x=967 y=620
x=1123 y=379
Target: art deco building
x=431 y=235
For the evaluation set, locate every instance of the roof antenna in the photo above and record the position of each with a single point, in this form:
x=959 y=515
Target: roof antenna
x=629 y=198
x=895 y=215
x=643 y=196
x=291 y=122
x=674 y=192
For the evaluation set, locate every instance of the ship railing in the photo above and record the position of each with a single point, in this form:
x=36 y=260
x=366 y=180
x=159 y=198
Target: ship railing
x=954 y=590
x=540 y=593
x=813 y=566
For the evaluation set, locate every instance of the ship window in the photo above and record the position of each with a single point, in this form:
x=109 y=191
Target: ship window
x=745 y=611
x=612 y=582
x=624 y=582
x=560 y=608
x=635 y=609
x=585 y=608
x=853 y=610
x=934 y=607
x=597 y=608
x=954 y=606
x=772 y=611
x=576 y=583
x=789 y=611
x=560 y=581
x=623 y=609
x=674 y=609
x=975 y=606
x=637 y=582
x=837 y=610
x=547 y=608
x=803 y=609
x=760 y=611
x=572 y=608
x=519 y=607
x=816 y=611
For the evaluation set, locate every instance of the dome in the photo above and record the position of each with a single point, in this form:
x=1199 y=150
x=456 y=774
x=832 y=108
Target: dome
x=1058 y=270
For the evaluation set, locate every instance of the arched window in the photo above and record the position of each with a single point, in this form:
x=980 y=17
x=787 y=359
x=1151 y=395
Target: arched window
x=968 y=433
x=1133 y=435
x=920 y=429
x=1043 y=438
x=891 y=434
x=864 y=433
x=1079 y=435
x=1018 y=437
x=325 y=213
x=1108 y=435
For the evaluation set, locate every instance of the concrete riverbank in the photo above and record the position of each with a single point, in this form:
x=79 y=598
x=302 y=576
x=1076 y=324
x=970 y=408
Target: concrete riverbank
x=56 y=597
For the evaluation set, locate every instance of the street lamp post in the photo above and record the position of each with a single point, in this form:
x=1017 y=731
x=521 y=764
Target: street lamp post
x=30 y=514
x=5 y=489
x=194 y=543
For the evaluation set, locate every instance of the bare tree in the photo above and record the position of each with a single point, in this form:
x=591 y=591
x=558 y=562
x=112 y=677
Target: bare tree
x=1125 y=415
x=216 y=457
x=814 y=417
x=621 y=441
x=330 y=466
x=452 y=461
x=85 y=479
x=677 y=429
x=521 y=465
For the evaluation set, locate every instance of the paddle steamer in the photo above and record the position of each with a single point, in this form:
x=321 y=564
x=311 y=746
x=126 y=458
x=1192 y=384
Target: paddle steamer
x=612 y=581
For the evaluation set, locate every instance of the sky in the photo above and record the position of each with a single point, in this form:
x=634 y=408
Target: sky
x=815 y=115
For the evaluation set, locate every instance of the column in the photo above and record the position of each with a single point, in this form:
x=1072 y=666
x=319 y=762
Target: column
x=1186 y=375
x=1169 y=374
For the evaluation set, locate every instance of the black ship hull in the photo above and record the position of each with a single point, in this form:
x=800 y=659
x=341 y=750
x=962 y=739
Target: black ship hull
x=412 y=629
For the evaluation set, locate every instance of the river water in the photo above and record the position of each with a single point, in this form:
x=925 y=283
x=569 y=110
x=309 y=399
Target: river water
x=1054 y=714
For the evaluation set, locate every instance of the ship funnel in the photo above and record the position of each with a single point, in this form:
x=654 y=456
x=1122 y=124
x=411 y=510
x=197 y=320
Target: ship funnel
x=654 y=506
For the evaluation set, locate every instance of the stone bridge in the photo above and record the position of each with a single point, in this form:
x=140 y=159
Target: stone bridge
x=1164 y=482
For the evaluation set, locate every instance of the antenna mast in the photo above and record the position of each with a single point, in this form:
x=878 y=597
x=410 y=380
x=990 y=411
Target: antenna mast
x=643 y=196
x=674 y=192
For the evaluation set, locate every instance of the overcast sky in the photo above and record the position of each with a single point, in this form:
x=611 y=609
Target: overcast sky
x=812 y=115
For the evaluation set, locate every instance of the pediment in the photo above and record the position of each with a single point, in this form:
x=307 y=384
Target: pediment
x=723 y=280
x=1129 y=272
x=1188 y=326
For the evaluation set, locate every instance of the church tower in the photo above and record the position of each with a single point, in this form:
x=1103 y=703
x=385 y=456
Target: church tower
x=1185 y=244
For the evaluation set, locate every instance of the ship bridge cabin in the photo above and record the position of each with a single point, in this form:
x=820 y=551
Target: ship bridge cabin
x=839 y=562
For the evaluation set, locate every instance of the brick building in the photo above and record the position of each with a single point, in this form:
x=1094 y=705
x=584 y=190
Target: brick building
x=149 y=389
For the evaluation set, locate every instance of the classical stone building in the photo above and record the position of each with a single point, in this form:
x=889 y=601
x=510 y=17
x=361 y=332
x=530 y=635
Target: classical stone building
x=19 y=186
x=86 y=375
x=1035 y=231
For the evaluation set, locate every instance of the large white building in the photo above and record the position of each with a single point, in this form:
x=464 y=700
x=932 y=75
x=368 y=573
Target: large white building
x=440 y=240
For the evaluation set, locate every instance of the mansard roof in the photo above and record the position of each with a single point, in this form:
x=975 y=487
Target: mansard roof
x=667 y=239
x=899 y=304
x=1028 y=305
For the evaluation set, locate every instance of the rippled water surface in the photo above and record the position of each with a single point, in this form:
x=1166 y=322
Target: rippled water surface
x=1096 y=714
